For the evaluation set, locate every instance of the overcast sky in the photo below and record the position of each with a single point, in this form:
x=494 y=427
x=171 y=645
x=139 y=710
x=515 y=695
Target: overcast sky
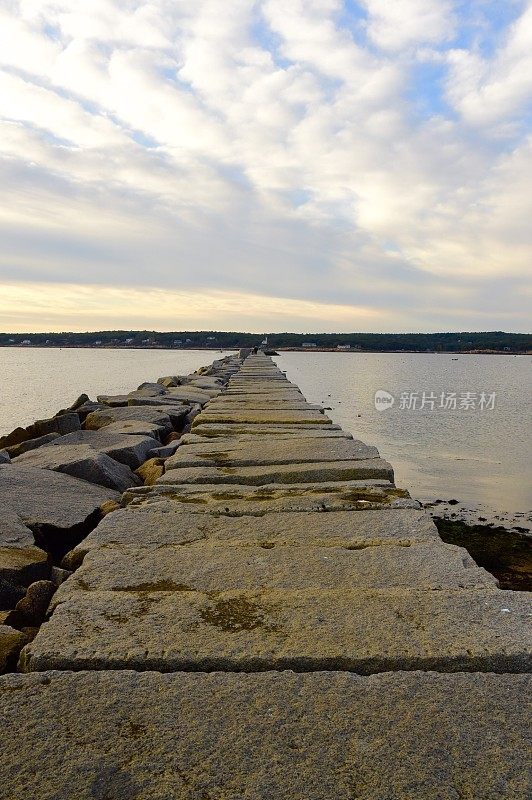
x=266 y=166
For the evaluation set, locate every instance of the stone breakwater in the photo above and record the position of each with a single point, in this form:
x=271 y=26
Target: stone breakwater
x=268 y=617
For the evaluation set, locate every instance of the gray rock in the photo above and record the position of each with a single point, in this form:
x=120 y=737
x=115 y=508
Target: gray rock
x=137 y=428
x=88 y=407
x=169 y=380
x=126 y=448
x=5 y=458
x=297 y=451
x=191 y=394
x=238 y=499
x=158 y=416
x=56 y=507
x=64 y=423
x=13 y=532
x=165 y=451
x=84 y=462
x=271 y=736
x=281 y=473
x=113 y=400
x=314 y=629
x=16 y=450
x=210 y=568
x=162 y=524
x=148 y=386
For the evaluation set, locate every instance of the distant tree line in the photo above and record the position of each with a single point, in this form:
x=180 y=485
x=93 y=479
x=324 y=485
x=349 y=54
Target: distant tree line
x=371 y=342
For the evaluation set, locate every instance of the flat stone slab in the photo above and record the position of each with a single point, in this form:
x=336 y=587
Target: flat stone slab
x=160 y=524
x=272 y=736
x=84 y=462
x=281 y=473
x=13 y=532
x=276 y=417
x=48 y=501
x=227 y=437
x=210 y=429
x=241 y=454
x=192 y=394
x=134 y=428
x=227 y=405
x=239 y=499
x=208 y=568
x=354 y=630
x=159 y=416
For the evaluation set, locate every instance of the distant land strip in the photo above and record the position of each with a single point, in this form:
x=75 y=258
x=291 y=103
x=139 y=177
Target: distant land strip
x=467 y=342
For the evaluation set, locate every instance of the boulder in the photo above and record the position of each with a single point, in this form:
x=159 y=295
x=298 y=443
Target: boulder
x=16 y=450
x=127 y=449
x=13 y=532
x=137 y=428
x=5 y=458
x=11 y=643
x=148 y=386
x=151 y=470
x=59 y=509
x=170 y=380
x=84 y=462
x=191 y=394
x=101 y=418
x=165 y=451
x=64 y=423
x=113 y=400
x=33 y=606
x=20 y=566
x=88 y=407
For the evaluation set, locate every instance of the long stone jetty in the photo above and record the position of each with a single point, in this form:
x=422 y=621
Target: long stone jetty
x=266 y=617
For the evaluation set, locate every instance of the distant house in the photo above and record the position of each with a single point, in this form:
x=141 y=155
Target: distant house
x=211 y=338
x=188 y=341
x=343 y=347
x=177 y=342
x=129 y=341
x=309 y=344
x=97 y=342
x=25 y=341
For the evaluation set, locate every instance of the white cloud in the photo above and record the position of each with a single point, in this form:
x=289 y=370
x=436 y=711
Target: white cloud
x=203 y=146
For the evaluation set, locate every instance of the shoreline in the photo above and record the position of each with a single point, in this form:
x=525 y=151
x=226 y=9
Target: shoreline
x=354 y=351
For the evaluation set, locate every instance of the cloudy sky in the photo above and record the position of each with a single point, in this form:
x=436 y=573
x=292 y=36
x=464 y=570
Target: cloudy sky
x=273 y=165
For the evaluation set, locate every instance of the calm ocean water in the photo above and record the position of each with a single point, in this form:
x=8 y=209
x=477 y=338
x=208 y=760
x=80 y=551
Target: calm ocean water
x=477 y=456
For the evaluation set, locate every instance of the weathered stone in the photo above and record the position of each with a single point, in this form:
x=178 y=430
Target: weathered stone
x=99 y=419
x=128 y=449
x=88 y=408
x=11 y=643
x=34 y=605
x=239 y=499
x=16 y=450
x=113 y=400
x=22 y=565
x=162 y=524
x=5 y=458
x=10 y=594
x=276 y=417
x=192 y=394
x=282 y=473
x=63 y=423
x=153 y=386
x=228 y=406
x=165 y=451
x=273 y=736
x=151 y=470
x=84 y=462
x=56 y=507
x=13 y=532
x=169 y=380
x=270 y=431
x=207 y=568
x=206 y=383
x=355 y=630
x=80 y=401
x=298 y=451
x=136 y=428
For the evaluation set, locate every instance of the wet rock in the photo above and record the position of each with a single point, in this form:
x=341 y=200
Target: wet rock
x=84 y=462
x=151 y=470
x=127 y=449
x=16 y=450
x=34 y=605
x=11 y=643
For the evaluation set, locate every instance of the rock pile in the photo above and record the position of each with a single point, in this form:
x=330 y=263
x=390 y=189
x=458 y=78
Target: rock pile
x=269 y=617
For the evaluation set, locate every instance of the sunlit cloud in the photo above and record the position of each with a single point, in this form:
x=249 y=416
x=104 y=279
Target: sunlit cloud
x=284 y=164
